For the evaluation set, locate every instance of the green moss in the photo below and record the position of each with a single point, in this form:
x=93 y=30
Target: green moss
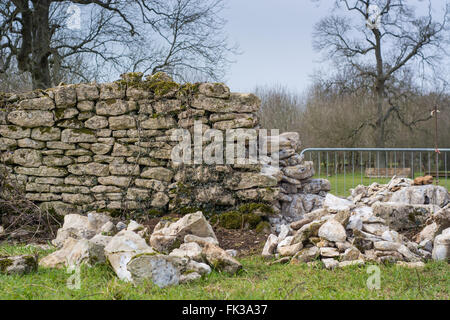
x=260 y=208
x=59 y=113
x=45 y=129
x=183 y=189
x=12 y=128
x=175 y=245
x=110 y=102
x=189 y=88
x=187 y=210
x=161 y=88
x=228 y=220
x=262 y=227
x=5 y=263
x=252 y=220
x=84 y=131
x=111 y=212
x=155 y=213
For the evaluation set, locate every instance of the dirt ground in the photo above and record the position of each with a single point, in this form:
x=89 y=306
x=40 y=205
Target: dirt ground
x=246 y=242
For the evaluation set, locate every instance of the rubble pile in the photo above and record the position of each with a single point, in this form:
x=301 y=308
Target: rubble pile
x=374 y=223
x=176 y=252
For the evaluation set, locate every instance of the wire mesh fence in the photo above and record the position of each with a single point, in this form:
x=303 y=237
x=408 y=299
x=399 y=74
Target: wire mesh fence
x=345 y=168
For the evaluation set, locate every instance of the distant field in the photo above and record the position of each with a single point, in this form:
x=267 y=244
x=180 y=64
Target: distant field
x=256 y=281
x=341 y=185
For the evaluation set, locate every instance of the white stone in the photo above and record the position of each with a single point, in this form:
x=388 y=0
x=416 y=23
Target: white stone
x=332 y=231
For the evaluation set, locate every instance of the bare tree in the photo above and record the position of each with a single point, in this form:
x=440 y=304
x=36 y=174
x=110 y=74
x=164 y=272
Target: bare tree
x=39 y=37
x=387 y=39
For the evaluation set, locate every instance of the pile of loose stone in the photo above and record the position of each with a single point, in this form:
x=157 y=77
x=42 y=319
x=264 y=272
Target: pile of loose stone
x=374 y=224
x=299 y=193
x=176 y=252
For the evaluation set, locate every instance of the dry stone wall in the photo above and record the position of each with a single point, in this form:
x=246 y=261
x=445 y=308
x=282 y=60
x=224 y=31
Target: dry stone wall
x=83 y=147
x=108 y=146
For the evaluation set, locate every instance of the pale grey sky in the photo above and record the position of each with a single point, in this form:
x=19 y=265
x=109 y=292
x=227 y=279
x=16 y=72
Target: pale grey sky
x=275 y=37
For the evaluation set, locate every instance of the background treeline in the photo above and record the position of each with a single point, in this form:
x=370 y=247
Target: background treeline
x=326 y=116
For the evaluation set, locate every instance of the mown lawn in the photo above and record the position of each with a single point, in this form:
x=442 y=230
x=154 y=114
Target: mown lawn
x=340 y=184
x=256 y=281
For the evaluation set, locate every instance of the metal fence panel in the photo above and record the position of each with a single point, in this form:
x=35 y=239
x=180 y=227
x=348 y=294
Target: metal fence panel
x=353 y=166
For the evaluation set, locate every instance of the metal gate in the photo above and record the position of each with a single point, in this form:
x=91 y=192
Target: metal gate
x=345 y=168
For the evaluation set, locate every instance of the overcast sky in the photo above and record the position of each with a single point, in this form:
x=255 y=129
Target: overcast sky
x=275 y=37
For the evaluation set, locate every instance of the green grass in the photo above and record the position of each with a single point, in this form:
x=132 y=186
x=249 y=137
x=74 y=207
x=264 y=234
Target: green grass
x=256 y=281
x=341 y=185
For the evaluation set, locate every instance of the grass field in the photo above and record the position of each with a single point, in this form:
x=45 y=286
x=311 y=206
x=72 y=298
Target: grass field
x=256 y=281
x=340 y=184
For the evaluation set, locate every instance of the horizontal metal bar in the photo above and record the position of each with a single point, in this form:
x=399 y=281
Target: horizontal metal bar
x=374 y=149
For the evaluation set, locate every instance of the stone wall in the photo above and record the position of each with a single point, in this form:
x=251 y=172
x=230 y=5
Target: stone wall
x=108 y=146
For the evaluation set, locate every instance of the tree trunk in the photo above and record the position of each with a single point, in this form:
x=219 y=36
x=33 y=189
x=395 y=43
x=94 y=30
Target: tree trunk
x=40 y=69
x=35 y=51
x=380 y=138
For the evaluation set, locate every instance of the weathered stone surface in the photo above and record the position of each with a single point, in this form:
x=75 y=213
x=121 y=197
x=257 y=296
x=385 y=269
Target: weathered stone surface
x=247 y=180
x=57 y=161
x=330 y=263
x=115 y=181
x=166 y=238
x=200 y=240
x=441 y=247
x=335 y=204
x=14 y=132
x=160 y=200
x=290 y=250
x=332 y=231
x=237 y=103
x=100 y=148
x=41 y=171
x=96 y=122
x=114 y=107
x=31 y=118
x=270 y=246
x=87 y=92
x=190 y=250
x=214 y=90
x=79 y=227
x=428 y=194
x=42 y=103
x=400 y=216
x=120 y=250
x=30 y=143
x=65 y=96
x=58 y=258
x=18 y=265
x=307 y=254
x=27 y=157
x=162 y=270
x=122 y=122
x=124 y=169
x=112 y=91
x=78 y=135
x=91 y=169
x=219 y=259
x=308 y=230
x=158 y=123
x=160 y=173
x=90 y=252
x=6 y=143
x=300 y=172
